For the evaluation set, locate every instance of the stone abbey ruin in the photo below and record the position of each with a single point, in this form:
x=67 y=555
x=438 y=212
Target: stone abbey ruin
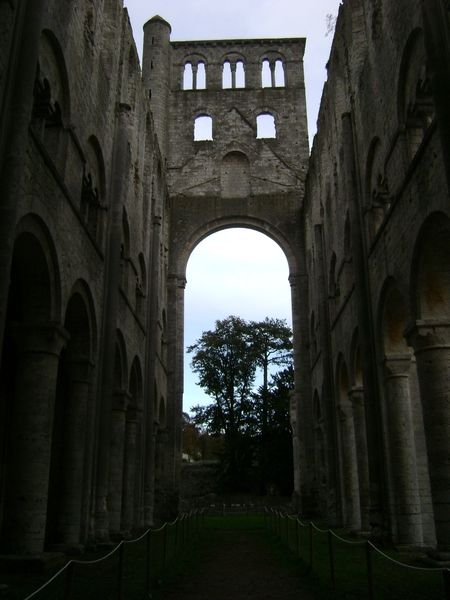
x=106 y=188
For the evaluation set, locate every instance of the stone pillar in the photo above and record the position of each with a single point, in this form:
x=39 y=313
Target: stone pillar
x=129 y=469
x=116 y=461
x=150 y=373
x=272 y=73
x=194 y=76
x=363 y=303
x=431 y=343
x=233 y=74
x=69 y=515
x=109 y=325
x=27 y=479
x=356 y=395
x=350 y=468
x=403 y=451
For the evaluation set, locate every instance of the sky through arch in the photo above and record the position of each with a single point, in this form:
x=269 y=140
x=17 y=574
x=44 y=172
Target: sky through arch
x=235 y=271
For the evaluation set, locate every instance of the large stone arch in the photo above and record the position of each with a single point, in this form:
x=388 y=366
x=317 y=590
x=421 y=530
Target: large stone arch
x=429 y=335
x=404 y=496
x=33 y=341
x=70 y=454
x=286 y=235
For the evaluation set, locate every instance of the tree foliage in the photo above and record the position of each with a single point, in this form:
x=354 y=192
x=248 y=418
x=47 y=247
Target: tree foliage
x=253 y=420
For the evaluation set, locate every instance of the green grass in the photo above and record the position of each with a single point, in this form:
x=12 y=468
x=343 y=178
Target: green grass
x=390 y=581
x=99 y=581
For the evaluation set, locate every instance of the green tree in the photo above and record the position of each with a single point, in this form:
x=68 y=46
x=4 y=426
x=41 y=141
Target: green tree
x=226 y=361
x=225 y=364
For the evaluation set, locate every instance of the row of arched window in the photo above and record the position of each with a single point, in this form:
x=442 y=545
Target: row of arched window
x=233 y=75
x=265 y=127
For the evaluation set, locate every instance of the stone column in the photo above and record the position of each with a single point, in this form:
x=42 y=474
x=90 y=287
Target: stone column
x=356 y=395
x=129 y=469
x=194 y=76
x=431 y=343
x=27 y=479
x=69 y=516
x=350 y=468
x=109 y=323
x=403 y=451
x=233 y=74
x=116 y=461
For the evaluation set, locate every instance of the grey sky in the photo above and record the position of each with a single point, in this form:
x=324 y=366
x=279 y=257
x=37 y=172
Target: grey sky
x=238 y=271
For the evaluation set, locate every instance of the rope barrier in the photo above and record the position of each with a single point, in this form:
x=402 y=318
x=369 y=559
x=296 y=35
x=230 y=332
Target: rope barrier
x=368 y=548
x=119 y=548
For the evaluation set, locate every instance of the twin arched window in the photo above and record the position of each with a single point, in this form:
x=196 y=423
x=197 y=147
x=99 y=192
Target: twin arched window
x=272 y=74
x=194 y=76
x=233 y=75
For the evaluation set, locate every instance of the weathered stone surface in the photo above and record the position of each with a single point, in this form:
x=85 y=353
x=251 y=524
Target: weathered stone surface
x=107 y=186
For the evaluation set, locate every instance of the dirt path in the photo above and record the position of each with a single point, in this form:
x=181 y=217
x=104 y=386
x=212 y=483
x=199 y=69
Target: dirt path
x=239 y=565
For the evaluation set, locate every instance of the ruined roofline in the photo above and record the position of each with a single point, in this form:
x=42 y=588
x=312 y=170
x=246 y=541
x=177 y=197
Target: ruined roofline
x=245 y=41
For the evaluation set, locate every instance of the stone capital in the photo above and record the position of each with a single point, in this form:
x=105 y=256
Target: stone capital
x=40 y=338
x=396 y=365
x=134 y=413
x=121 y=399
x=356 y=395
x=428 y=334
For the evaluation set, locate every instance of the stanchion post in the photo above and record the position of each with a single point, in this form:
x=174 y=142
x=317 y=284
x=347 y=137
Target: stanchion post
x=70 y=574
x=197 y=521
x=166 y=536
x=120 y=582
x=183 y=534
x=311 y=545
x=148 y=561
x=176 y=536
x=330 y=548
x=369 y=570
x=446 y=575
x=287 y=530
x=297 y=536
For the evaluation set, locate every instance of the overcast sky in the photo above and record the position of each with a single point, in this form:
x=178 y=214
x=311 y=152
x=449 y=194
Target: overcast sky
x=238 y=271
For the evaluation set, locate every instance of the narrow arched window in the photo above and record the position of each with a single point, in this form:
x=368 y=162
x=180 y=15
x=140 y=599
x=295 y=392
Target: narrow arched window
x=279 y=74
x=188 y=80
x=240 y=74
x=266 y=74
x=201 y=76
x=226 y=75
x=203 y=128
x=265 y=126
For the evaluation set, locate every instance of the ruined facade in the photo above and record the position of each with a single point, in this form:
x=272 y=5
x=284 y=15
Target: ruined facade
x=108 y=183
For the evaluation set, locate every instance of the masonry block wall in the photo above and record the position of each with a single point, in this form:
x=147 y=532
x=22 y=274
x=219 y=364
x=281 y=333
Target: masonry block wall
x=83 y=381
x=110 y=178
x=376 y=209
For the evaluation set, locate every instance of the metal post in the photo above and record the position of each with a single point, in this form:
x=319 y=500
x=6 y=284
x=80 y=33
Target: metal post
x=69 y=580
x=148 y=562
x=297 y=536
x=166 y=534
x=369 y=570
x=311 y=545
x=330 y=548
x=183 y=519
x=120 y=582
x=287 y=531
x=176 y=536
